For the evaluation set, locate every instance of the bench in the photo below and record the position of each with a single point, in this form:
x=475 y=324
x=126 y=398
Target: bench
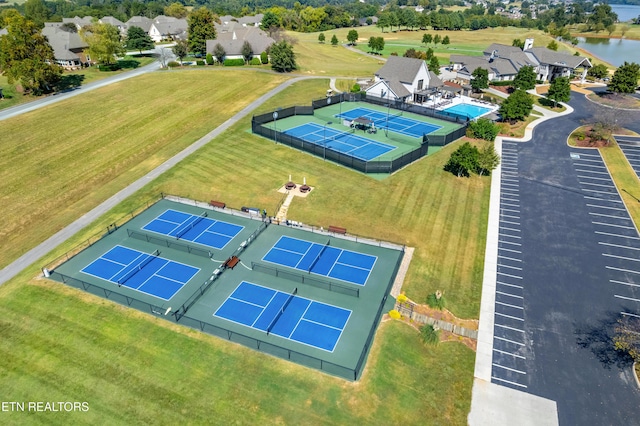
x=231 y=262
x=337 y=230
x=219 y=204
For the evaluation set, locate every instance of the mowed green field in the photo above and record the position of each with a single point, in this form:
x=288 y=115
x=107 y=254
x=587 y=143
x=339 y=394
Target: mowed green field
x=58 y=162
x=63 y=344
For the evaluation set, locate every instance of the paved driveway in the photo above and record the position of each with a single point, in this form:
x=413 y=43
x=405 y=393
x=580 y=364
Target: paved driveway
x=568 y=266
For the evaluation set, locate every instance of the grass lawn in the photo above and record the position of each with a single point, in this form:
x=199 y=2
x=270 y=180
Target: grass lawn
x=625 y=179
x=517 y=129
x=60 y=161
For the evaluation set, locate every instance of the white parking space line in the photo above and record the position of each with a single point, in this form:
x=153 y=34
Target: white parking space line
x=617 y=235
x=626 y=298
x=510 y=341
x=501 y=233
x=628 y=314
x=511 y=276
x=624 y=283
x=510 y=189
x=509 y=250
x=594 y=178
x=510 y=184
x=510 y=295
x=623 y=270
x=509 y=258
x=508 y=381
x=509 y=353
x=508 y=368
x=599 y=192
x=611 y=224
x=608 y=215
x=509 y=328
x=510 y=306
x=511 y=210
x=510 y=285
x=510 y=216
x=602 y=199
x=619 y=246
x=509 y=242
x=510 y=267
x=510 y=316
x=592 y=171
x=621 y=257
x=607 y=207
x=509 y=229
x=510 y=222
x=597 y=184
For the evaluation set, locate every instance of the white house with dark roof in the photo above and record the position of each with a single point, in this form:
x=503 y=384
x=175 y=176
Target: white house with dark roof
x=503 y=62
x=68 y=47
x=168 y=28
x=233 y=41
x=404 y=79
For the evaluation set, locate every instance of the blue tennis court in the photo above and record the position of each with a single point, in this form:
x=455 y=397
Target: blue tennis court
x=197 y=229
x=348 y=143
x=286 y=315
x=398 y=124
x=322 y=259
x=147 y=273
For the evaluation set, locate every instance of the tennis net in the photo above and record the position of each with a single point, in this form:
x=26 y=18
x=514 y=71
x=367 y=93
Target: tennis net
x=318 y=256
x=137 y=268
x=281 y=311
x=190 y=225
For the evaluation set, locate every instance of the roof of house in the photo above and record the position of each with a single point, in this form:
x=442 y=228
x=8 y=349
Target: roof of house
x=64 y=43
x=140 y=21
x=112 y=21
x=400 y=68
x=232 y=41
x=434 y=80
x=514 y=54
x=171 y=27
x=548 y=56
x=251 y=20
x=79 y=22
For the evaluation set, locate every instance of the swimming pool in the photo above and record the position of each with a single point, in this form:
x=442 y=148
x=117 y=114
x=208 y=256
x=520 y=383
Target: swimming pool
x=467 y=110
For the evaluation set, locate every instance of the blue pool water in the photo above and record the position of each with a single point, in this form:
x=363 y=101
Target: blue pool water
x=467 y=110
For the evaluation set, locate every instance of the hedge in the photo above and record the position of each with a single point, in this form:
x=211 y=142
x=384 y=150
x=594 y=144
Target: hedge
x=255 y=61
x=199 y=62
x=233 y=62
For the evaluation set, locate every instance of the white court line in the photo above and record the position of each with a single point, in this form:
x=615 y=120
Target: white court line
x=509 y=353
x=512 y=276
x=610 y=224
x=510 y=316
x=609 y=215
x=510 y=328
x=507 y=340
x=511 y=306
x=506 y=249
x=510 y=285
x=617 y=235
x=510 y=267
x=626 y=298
x=508 y=381
x=509 y=294
x=602 y=199
x=621 y=257
x=624 y=283
x=623 y=270
x=594 y=178
x=606 y=207
x=508 y=368
x=618 y=245
x=509 y=258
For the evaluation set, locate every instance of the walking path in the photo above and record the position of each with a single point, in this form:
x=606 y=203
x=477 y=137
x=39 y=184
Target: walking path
x=30 y=257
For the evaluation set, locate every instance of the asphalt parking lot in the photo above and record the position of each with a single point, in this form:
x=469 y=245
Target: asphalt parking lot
x=568 y=268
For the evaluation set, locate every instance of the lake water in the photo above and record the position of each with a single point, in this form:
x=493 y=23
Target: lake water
x=612 y=50
x=626 y=12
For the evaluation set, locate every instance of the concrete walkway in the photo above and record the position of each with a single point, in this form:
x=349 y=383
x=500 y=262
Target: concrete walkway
x=45 y=247
x=493 y=404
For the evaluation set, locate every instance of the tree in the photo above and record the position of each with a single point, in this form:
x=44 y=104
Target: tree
x=427 y=38
x=483 y=128
x=552 y=45
x=525 y=78
x=104 y=42
x=437 y=39
x=598 y=71
x=352 y=37
x=560 y=90
x=376 y=44
x=181 y=49
x=428 y=54
x=37 y=12
x=270 y=20
x=283 y=59
x=321 y=38
x=264 y=58
x=138 y=40
x=434 y=65
x=177 y=10
x=219 y=53
x=446 y=41
x=517 y=106
x=517 y=43
x=247 y=51
x=480 y=79
x=626 y=337
x=209 y=59
x=463 y=161
x=26 y=56
x=625 y=79
x=201 y=29
x=488 y=158
x=334 y=40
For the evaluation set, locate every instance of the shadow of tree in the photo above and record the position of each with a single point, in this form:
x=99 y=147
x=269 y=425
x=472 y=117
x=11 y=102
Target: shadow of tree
x=70 y=82
x=598 y=338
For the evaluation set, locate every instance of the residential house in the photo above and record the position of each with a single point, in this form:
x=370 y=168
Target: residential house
x=139 y=21
x=168 y=28
x=503 y=62
x=251 y=21
x=404 y=79
x=68 y=46
x=121 y=26
x=233 y=41
x=78 y=22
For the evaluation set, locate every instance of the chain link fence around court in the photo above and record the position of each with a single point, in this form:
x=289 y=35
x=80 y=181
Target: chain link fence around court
x=327 y=153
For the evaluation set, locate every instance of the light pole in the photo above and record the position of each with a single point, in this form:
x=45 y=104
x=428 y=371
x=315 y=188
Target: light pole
x=324 y=139
x=275 y=126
